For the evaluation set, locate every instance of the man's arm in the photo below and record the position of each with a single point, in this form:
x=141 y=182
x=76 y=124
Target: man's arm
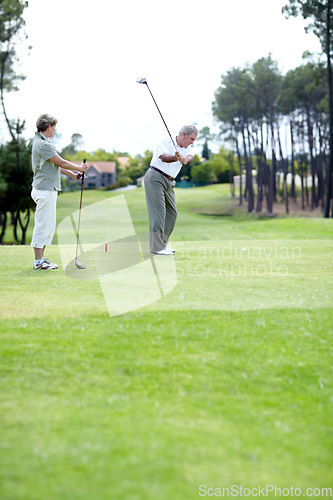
x=188 y=159
x=177 y=157
x=168 y=158
x=184 y=160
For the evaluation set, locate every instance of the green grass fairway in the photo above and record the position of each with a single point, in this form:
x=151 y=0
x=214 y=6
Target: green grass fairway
x=222 y=379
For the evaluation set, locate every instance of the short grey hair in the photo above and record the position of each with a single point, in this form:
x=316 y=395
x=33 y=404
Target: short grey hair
x=44 y=121
x=188 y=130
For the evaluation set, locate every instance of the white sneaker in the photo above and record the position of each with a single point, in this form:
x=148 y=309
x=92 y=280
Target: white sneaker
x=45 y=265
x=171 y=250
x=165 y=251
x=50 y=263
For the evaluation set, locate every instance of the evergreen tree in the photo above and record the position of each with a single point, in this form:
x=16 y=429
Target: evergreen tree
x=320 y=13
x=11 y=27
x=16 y=175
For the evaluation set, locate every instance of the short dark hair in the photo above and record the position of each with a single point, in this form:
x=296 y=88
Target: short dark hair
x=44 y=121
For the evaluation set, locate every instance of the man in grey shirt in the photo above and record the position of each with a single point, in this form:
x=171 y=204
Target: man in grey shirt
x=47 y=167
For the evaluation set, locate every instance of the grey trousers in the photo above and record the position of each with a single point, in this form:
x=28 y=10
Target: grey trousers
x=162 y=212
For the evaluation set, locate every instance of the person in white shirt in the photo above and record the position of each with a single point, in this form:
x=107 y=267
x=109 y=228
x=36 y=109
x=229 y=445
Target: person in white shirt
x=159 y=182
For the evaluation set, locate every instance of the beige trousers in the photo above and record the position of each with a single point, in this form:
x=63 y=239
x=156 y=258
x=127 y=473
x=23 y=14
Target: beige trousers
x=45 y=217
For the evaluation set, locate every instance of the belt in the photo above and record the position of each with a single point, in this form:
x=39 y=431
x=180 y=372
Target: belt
x=163 y=173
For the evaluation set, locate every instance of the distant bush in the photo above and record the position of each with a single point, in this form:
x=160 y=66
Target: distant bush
x=121 y=182
x=221 y=166
x=203 y=173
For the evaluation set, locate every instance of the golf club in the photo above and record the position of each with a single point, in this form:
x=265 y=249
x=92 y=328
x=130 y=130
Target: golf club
x=78 y=264
x=143 y=80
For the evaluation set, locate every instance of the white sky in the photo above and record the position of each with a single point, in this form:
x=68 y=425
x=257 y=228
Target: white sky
x=86 y=56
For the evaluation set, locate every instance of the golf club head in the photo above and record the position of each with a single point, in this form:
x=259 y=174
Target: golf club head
x=79 y=265
x=142 y=79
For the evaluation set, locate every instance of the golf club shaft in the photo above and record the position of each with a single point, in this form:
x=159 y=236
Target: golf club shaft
x=78 y=225
x=173 y=142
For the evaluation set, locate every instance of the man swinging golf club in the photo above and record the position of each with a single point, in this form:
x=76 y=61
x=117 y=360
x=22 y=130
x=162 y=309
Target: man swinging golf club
x=168 y=158
x=47 y=166
x=159 y=182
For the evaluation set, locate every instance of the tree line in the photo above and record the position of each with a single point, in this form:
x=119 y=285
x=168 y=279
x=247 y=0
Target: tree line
x=254 y=102
x=253 y=105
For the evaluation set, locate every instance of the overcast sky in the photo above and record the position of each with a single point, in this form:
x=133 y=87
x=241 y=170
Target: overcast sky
x=86 y=56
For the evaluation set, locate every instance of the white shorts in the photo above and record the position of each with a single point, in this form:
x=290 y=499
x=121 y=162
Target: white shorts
x=45 y=217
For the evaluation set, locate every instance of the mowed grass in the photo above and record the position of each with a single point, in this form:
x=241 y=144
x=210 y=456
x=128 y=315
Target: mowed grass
x=226 y=380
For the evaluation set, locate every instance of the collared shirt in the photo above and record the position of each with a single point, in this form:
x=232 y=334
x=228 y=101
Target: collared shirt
x=46 y=175
x=166 y=147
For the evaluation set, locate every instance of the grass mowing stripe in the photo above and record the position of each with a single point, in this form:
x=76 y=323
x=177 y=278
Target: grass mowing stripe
x=210 y=275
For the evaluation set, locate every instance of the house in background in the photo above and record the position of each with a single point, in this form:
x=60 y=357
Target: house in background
x=123 y=162
x=100 y=173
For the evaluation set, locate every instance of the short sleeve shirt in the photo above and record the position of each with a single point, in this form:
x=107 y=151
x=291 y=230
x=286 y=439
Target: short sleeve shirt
x=166 y=147
x=47 y=176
